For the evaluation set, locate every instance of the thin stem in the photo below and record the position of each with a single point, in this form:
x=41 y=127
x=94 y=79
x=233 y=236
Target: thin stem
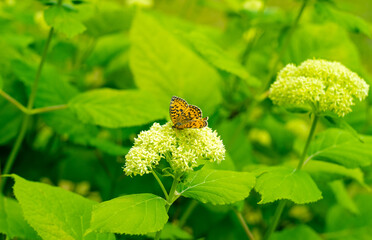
x=278 y=213
x=15 y=149
x=13 y=101
x=160 y=184
x=172 y=197
x=190 y=208
x=285 y=45
x=48 y=109
x=31 y=100
x=282 y=203
x=309 y=138
x=27 y=117
x=244 y=224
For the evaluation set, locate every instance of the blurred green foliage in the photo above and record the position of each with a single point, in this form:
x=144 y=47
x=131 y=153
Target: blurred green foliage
x=116 y=64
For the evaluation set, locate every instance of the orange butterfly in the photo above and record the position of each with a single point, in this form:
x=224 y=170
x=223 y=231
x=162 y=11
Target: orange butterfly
x=184 y=115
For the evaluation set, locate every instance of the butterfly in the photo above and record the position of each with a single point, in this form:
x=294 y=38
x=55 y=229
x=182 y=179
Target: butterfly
x=184 y=115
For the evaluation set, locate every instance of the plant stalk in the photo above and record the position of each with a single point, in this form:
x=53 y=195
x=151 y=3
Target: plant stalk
x=282 y=203
x=309 y=138
x=160 y=184
x=172 y=197
x=190 y=208
x=244 y=224
x=26 y=117
x=274 y=224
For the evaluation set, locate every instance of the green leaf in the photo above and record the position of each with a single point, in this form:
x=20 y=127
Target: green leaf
x=326 y=172
x=12 y=222
x=216 y=56
x=343 y=197
x=1 y=82
x=338 y=146
x=302 y=232
x=285 y=183
x=116 y=108
x=172 y=232
x=322 y=41
x=217 y=186
x=131 y=214
x=347 y=20
x=164 y=66
x=357 y=226
x=64 y=20
x=55 y=213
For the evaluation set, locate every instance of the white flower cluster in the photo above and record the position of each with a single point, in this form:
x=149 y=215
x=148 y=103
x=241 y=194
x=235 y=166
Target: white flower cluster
x=184 y=148
x=329 y=86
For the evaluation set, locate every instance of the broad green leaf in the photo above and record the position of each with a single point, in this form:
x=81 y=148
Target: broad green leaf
x=55 y=213
x=173 y=232
x=216 y=56
x=325 y=41
x=338 y=146
x=217 y=186
x=104 y=145
x=116 y=108
x=326 y=172
x=302 y=232
x=347 y=20
x=131 y=214
x=285 y=183
x=64 y=20
x=55 y=90
x=164 y=66
x=343 y=197
x=357 y=226
x=12 y=222
x=1 y=82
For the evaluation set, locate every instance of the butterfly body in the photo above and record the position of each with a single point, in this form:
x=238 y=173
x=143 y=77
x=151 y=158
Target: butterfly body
x=184 y=115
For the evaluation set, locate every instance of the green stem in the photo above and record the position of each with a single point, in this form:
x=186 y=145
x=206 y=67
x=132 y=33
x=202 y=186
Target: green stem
x=274 y=223
x=172 y=197
x=190 y=208
x=285 y=45
x=309 y=138
x=13 y=101
x=282 y=203
x=26 y=117
x=31 y=100
x=160 y=184
x=244 y=224
x=48 y=109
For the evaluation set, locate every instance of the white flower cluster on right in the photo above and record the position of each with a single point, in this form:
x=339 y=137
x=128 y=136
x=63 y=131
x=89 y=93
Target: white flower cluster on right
x=329 y=86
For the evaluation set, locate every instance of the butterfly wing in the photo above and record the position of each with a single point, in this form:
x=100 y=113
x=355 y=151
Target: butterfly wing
x=197 y=123
x=176 y=109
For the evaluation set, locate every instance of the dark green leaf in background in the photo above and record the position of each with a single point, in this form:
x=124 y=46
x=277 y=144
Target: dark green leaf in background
x=117 y=108
x=341 y=147
x=131 y=214
x=347 y=20
x=162 y=65
x=64 y=20
x=302 y=232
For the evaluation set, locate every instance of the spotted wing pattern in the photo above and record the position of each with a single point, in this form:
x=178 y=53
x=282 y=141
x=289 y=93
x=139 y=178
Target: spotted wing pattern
x=177 y=107
x=197 y=123
x=184 y=115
